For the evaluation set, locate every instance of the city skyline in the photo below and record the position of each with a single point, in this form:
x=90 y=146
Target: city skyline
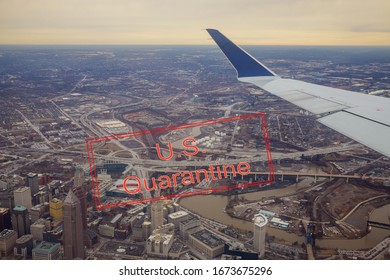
x=298 y=22
x=81 y=124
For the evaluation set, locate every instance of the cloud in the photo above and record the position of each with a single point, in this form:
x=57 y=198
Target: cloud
x=178 y=21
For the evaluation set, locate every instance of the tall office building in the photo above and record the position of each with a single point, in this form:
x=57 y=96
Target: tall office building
x=78 y=177
x=81 y=195
x=7 y=241
x=157 y=214
x=22 y=196
x=73 y=228
x=6 y=196
x=33 y=183
x=24 y=246
x=56 y=209
x=20 y=220
x=38 y=228
x=38 y=211
x=259 y=223
x=47 y=251
x=5 y=219
x=79 y=191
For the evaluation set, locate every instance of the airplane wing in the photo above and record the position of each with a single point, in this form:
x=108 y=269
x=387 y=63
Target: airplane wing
x=362 y=117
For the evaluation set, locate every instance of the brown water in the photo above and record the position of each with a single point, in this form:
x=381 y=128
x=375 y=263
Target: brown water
x=212 y=207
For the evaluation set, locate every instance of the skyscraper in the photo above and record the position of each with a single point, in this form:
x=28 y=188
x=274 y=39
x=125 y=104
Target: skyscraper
x=56 y=209
x=20 y=220
x=22 y=196
x=46 y=251
x=33 y=183
x=79 y=191
x=24 y=246
x=81 y=195
x=7 y=241
x=259 y=223
x=5 y=219
x=78 y=177
x=157 y=213
x=73 y=228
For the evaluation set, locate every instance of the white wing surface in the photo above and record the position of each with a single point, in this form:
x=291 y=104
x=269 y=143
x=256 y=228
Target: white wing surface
x=362 y=117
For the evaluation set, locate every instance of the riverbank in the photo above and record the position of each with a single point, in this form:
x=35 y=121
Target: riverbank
x=212 y=207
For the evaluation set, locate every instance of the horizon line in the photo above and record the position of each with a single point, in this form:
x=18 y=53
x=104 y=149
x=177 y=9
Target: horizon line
x=165 y=44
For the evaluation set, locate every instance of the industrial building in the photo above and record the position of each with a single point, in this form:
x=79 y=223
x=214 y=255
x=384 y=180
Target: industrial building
x=259 y=229
x=279 y=222
x=267 y=214
x=112 y=125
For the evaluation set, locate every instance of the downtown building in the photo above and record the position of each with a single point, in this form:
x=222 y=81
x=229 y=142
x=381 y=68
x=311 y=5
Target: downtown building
x=72 y=228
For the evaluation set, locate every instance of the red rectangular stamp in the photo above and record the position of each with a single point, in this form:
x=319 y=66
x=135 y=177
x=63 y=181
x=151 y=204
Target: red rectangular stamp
x=197 y=158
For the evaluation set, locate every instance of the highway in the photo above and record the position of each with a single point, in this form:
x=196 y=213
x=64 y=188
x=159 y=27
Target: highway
x=36 y=129
x=293 y=174
x=165 y=165
x=260 y=158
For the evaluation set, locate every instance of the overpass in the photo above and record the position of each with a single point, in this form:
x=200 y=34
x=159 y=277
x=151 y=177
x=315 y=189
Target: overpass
x=166 y=166
x=291 y=174
x=377 y=225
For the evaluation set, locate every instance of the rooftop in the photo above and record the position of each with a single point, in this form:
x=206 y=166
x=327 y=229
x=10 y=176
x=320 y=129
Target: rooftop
x=3 y=210
x=20 y=208
x=161 y=237
x=24 y=239
x=178 y=214
x=47 y=247
x=55 y=200
x=208 y=238
x=116 y=218
x=7 y=233
x=31 y=174
x=22 y=189
x=260 y=220
x=71 y=198
x=190 y=220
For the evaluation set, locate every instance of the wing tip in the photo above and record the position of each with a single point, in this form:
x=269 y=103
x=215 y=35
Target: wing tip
x=244 y=63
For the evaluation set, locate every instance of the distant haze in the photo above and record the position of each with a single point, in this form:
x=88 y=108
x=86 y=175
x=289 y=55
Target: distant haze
x=257 y=22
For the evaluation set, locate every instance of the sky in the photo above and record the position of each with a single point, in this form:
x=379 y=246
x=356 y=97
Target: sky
x=247 y=22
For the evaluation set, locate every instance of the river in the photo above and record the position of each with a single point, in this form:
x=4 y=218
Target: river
x=212 y=207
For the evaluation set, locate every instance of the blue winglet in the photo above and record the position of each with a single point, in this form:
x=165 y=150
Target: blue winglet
x=244 y=63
